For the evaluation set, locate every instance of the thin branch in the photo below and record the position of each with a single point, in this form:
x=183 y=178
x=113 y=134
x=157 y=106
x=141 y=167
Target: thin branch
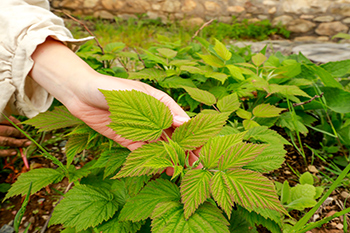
x=48 y=220
x=86 y=28
x=120 y=61
x=201 y=28
x=308 y=101
x=138 y=55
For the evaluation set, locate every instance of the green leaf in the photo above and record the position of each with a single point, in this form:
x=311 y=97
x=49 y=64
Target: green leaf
x=229 y=103
x=250 y=189
x=216 y=146
x=306 y=178
x=221 y=193
x=192 y=69
x=149 y=74
x=319 y=191
x=136 y=115
x=136 y=162
x=76 y=174
x=302 y=190
x=201 y=95
x=135 y=184
x=177 y=82
x=207 y=218
x=271 y=158
x=222 y=51
x=216 y=75
x=264 y=134
x=155 y=192
x=113 y=47
x=235 y=72
x=244 y=114
x=150 y=56
x=267 y=110
x=249 y=124
x=115 y=160
x=286 y=90
x=39 y=178
x=197 y=131
x=239 y=155
x=212 y=60
x=337 y=99
x=75 y=145
x=114 y=225
x=327 y=79
x=175 y=152
x=258 y=59
x=302 y=203
x=290 y=68
x=285 y=193
x=167 y=53
x=59 y=118
x=194 y=190
x=268 y=218
x=338 y=68
x=80 y=202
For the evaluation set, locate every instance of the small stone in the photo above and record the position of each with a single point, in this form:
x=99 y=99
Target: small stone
x=45 y=217
x=270 y=2
x=333 y=224
x=339 y=226
x=235 y=9
x=323 y=38
x=307 y=16
x=284 y=20
x=287 y=172
x=312 y=169
x=300 y=26
x=330 y=213
x=212 y=6
x=332 y=28
x=328 y=201
x=302 y=39
x=90 y=3
x=171 y=6
x=294 y=157
x=315 y=217
x=253 y=20
x=156 y=6
x=111 y=4
x=188 y=5
x=346 y=20
x=272 y=10
x=262 y=17
x=103 y=15
x=345 y=195
x=324 y=19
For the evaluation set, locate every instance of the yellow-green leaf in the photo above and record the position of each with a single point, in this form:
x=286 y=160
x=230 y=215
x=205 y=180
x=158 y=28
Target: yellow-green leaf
x=202 y=96
x=236 y=72
x=267 y=110
x=167 y=53
x=244 y=114
x=212 y=60
x=222 y=51
x=229 y=103
x=258 y=59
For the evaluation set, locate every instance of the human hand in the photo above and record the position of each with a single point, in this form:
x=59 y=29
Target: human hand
x=10 y=136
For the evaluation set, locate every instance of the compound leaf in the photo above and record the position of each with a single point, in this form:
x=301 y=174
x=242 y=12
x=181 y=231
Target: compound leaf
x=59 y=118
x=146 y=160
x=116 y=158
x=148 y=74
x=75 y=145
x=76 y=208
x=136 y=115
x=154 y=192
x=239 y=155
x=229 y=103
x=221 y=193
x=212 y=60
x=267 y=110
x=207 y=218
x=199 y=95
x=114 y=225
x=251 y=189
x=215 y=147
x=194 y=190
x=264 y=134
x=271 y=158
x=39 y=178
x=197 y=131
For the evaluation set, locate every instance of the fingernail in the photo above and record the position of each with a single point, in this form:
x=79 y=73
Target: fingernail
x=14 y=153
x=180 y=119
x=28 y=143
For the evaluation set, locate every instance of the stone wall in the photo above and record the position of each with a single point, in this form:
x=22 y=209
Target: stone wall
x=306 y=19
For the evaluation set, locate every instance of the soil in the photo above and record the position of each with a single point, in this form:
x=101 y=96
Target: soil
x=41 y=204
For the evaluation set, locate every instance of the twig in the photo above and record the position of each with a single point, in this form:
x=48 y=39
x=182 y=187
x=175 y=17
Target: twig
x=86 y=28
x=48 y=220
x=120 y=61
x=201 y=28
x=308 y=101
x=138 y=55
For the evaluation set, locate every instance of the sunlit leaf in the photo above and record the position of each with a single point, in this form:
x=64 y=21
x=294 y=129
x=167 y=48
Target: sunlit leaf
x=222 y=51
x=267 y=110
x=202 y=96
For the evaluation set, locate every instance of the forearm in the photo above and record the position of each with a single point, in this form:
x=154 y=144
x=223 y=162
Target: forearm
x=59 y=70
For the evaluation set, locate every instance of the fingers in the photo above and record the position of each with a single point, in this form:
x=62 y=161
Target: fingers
x=7 y=152
x=10 y=131
x=14 y=142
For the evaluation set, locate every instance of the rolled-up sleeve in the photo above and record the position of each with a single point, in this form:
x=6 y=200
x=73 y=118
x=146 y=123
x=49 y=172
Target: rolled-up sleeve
x=24 y=24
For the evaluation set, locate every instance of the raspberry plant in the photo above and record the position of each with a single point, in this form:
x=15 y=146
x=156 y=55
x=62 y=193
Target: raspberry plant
x=123 y=191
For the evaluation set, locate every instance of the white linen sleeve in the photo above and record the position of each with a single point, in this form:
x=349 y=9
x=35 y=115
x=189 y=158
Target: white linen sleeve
x=24 y=24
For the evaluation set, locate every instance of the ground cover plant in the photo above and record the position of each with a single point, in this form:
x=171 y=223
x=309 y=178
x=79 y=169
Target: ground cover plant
x=237 y=101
